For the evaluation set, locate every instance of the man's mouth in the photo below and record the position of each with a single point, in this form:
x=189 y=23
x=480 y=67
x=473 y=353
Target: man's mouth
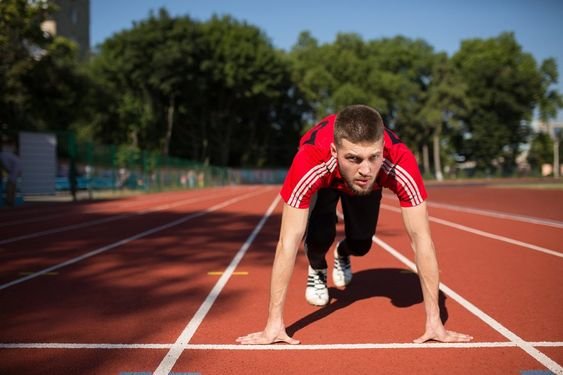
x=362 y=182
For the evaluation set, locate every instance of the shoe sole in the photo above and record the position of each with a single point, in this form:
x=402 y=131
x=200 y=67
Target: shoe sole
x=317 y=304
x=341 y=287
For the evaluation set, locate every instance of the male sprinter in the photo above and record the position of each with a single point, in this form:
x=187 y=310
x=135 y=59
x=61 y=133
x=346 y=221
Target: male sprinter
x=349 y=156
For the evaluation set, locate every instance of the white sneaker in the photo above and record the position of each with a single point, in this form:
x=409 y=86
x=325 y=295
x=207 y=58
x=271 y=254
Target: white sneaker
x=316 y=292
x=342 y=271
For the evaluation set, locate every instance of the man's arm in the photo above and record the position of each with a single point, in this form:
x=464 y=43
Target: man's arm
x=418 y=228
x=294 y=223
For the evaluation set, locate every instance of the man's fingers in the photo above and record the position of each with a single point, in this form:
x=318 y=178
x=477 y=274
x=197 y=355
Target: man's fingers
x=250 y=336
x=288 y=340
x=450 y=336
x=459 y=337
x=254 y=340
x=260 y=338
x=422 y=339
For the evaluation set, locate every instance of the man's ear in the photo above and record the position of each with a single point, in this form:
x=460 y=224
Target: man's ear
x=333 y=149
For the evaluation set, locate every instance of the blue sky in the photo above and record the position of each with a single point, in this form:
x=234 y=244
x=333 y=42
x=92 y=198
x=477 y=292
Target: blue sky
x=537 y=24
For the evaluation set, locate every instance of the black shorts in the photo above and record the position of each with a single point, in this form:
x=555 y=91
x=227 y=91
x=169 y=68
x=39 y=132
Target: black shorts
x=360 y=217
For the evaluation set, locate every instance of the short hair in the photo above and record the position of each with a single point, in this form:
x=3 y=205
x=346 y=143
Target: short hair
x=358 y=123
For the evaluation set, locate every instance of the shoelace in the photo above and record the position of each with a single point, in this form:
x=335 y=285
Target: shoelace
x=319 y=280
x=343 y=263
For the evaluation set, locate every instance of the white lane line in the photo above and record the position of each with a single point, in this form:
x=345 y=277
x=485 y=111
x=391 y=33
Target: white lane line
x=104 y=220
x=495 y=214
x=484 y=234
x=174 y=353
x=366 y=346
x=434 y=345
x=129 y=239
x=511 y=336
x=499 y=215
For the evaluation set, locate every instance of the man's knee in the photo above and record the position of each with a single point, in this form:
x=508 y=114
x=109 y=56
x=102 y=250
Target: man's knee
x=319 y=244
x=358 y=247
x=321 y=235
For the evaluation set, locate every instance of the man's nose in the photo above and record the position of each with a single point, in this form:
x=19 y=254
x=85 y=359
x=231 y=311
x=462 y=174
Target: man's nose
x=364 y=169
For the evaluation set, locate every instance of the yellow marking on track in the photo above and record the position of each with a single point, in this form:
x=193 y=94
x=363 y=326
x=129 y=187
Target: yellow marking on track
x=219 y=273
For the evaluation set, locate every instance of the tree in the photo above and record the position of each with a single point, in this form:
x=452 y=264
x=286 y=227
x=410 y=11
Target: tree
x=446 y=103
x=389 y=74
x=503 y=84
x=540 y=152
x=214 y=92
x=149 y=71
x=40 y=77
x=549 y=104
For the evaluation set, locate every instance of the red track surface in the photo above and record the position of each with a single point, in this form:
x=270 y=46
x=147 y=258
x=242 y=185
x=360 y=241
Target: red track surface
x=133 y=278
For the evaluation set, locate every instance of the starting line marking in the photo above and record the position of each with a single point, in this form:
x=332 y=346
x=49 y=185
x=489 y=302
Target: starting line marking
x=436 y=345
x=220 y=273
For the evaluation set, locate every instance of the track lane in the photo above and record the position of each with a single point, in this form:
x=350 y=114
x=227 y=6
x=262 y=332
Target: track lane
x=242 y=299
x=36 y=254
x=544 y=236
x=502 y=279
x=380 y=314
x=134 y=294
x=77 y=362
x=72 y=218
x=543 y=203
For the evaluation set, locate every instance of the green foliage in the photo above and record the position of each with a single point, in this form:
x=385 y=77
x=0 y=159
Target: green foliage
x=219 y=92
x=40 y=79
x=503 y=88
x=550 y=100
x=214 y=92
x=541 y=151
x=127 y=156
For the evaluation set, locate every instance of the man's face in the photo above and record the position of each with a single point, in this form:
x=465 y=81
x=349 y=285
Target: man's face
x=359 y=163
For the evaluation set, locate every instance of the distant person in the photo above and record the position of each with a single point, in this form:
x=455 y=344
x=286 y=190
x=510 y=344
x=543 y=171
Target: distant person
x=349 y=156
x=11 y=163
x=72 y=178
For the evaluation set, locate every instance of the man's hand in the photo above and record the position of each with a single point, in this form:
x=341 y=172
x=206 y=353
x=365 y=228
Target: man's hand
x=439 y=333
x=264 y=338
x=293 y=225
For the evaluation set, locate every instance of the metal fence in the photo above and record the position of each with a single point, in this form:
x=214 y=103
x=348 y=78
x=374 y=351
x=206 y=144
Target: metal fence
x=90 y=166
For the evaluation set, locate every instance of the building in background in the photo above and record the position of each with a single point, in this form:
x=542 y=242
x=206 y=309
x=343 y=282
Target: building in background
x=72 y=21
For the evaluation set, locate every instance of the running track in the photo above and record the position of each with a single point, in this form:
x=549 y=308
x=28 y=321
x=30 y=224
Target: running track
x=166 y=282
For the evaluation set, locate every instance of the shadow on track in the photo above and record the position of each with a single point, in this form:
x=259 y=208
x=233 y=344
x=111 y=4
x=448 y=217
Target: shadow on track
x=401 y=286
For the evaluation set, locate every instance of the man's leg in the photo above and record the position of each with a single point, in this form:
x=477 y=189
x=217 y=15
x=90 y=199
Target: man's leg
x=360 y=220
x=11 y=193
x=321 y=231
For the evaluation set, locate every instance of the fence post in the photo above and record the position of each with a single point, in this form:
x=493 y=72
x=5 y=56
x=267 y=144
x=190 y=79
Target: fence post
x=113 y=168
x=89 y=168
x=72 y=169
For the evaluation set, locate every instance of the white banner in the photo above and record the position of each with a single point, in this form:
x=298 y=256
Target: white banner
x=38 y=153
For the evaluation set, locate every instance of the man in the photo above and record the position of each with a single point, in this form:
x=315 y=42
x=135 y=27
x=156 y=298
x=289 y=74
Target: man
x=10 y=162
x=350 y=156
